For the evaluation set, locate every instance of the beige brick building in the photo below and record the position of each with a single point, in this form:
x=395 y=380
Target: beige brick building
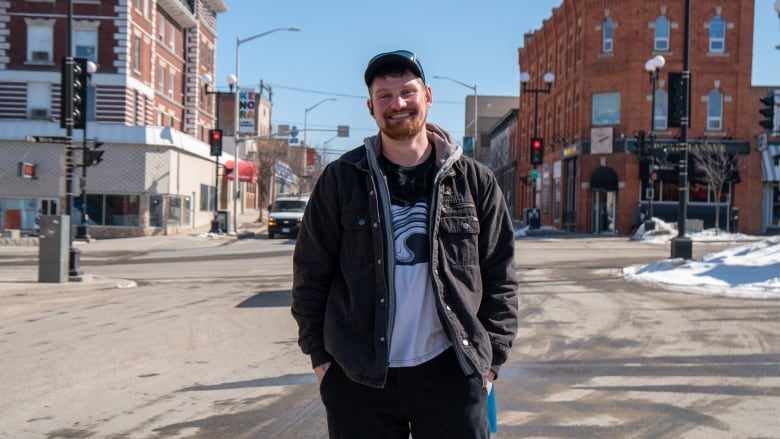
x=146 y=108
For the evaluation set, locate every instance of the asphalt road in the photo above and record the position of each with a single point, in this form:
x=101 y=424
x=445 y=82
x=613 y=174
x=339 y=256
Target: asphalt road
x=205 y=347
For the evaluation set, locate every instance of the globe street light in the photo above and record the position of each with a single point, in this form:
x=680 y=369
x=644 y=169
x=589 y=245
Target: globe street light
x=305 y=115
x=475 y=141
x=525 y=79
x=207 y=81
x=653 y=67
x=236 y=125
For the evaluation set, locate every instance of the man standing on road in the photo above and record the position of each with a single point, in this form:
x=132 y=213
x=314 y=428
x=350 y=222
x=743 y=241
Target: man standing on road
x=404 y=285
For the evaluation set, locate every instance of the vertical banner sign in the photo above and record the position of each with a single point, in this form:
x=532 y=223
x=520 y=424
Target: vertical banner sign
x=247 y=114
x=776 y=114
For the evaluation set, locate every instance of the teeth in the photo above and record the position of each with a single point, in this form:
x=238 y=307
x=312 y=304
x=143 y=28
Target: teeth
x=400 y=116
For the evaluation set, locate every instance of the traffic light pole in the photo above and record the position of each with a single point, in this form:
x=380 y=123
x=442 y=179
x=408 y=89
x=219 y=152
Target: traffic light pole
x=74 y=265
x=534 y=173
x=682 y=246
x=215 y=228
x=82 y=233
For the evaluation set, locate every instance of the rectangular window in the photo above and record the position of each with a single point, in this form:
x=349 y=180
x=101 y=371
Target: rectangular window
x=661 y=109
x=138 y=4
x=38 y=100
x=161 y=29
x=137 y=53
x=718 y=35
x=207 y=198
x=171 y=36
x=85 y=44
x=161 y=80
x=122 y=210
x=607 y=43
x=715 y=110
x=40 y=40
x=606 y=109
x=171 y=83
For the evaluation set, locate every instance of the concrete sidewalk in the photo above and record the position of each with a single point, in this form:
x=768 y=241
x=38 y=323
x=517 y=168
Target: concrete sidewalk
x=19 y=262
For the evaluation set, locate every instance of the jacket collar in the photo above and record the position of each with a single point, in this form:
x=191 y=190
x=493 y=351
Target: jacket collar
x=446 y=149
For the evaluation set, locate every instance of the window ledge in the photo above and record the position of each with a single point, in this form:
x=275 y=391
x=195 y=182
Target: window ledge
x=718 y=54
x=38 y=63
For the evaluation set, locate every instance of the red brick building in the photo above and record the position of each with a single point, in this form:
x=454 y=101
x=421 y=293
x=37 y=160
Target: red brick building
x=595 y=170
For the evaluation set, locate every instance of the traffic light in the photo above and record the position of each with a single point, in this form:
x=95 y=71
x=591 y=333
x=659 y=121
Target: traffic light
x=640 y=143
x=77 y=80
x=768 y=111
x=92 y=158
x=537 y=150
x=215 y=142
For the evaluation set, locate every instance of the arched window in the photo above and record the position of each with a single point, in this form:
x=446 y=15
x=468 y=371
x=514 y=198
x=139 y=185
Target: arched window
x=606 y=45
x=662 y=28
x=715 y=110
x=660 y=110
x=717 y=34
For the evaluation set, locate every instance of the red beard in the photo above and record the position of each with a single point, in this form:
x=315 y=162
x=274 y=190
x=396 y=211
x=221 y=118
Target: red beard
x=403 y=130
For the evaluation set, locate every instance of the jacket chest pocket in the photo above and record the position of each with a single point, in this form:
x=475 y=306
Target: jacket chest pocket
x=357 y=242
x=459 y=239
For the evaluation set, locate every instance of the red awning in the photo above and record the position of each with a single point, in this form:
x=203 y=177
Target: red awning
x=247 y=171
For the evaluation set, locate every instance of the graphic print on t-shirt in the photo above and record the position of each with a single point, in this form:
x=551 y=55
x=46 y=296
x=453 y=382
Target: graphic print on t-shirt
x=410 y=233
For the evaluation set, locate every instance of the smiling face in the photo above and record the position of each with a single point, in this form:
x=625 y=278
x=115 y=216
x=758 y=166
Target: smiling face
x=399 y=104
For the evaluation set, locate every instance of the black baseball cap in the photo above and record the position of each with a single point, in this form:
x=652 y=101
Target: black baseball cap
x=403 y=58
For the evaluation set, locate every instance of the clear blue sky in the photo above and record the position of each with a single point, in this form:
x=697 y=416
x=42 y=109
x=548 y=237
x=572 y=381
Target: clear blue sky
x=327 y=57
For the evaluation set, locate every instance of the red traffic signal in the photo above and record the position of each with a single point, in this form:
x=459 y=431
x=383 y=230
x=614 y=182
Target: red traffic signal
x=537 y=150
x=215 y=142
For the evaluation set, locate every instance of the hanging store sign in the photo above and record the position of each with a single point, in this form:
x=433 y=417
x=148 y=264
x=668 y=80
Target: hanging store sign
x=247 y=112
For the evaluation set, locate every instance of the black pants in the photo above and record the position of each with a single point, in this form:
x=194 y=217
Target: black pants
x=434 y=400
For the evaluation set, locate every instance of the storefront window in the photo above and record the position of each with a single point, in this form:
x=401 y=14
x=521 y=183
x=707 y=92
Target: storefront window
x=179 y=210
x=156 y=211
x=122 y=210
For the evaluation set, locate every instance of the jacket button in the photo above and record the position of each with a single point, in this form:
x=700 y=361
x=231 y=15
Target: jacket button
x=382 y=339
x=379 y=261
x=376 y=225
x=382 y=300
x=465 y=342
x=362 y=222
x=448 y=308
x=465 y=226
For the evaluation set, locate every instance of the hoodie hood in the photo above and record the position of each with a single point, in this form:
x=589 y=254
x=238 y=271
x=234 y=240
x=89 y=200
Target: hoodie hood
x=446 y=149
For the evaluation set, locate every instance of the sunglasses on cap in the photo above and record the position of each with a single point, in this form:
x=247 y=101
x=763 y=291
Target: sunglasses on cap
x=402 y=57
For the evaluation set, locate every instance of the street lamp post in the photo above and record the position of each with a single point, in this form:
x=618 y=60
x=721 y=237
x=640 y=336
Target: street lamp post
x=236 y=125
x=777 y=9
x=207 y=80
x=682 y=246
x=305 y=118
x=653 y=67
x=525 y=78
x=475 y=141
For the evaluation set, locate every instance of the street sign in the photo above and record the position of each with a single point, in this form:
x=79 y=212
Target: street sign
x=47 y=139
